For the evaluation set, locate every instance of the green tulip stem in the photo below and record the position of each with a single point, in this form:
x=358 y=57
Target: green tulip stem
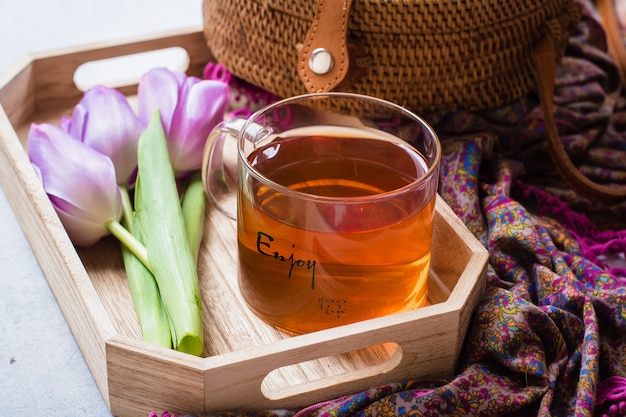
x=130 y=241
x=127 y=207
x=151 y=314
x=194 y=208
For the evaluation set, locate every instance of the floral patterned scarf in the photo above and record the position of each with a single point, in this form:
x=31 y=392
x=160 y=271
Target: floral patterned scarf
x=549 y=336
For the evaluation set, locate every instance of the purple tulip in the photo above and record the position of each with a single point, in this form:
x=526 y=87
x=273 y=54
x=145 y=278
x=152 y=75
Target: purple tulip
x=105 y=121
x=190 y=108
x=79 y=181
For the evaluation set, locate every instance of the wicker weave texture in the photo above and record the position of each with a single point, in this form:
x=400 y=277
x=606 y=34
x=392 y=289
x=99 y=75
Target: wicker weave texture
x=426 y=55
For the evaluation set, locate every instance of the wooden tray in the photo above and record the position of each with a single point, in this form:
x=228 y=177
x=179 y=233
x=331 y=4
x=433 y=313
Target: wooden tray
x=249 y=365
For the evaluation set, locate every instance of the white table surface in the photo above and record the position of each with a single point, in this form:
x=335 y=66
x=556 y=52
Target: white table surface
x=42 y=371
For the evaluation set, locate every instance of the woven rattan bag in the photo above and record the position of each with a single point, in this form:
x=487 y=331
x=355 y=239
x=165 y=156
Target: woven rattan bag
x=426 y=55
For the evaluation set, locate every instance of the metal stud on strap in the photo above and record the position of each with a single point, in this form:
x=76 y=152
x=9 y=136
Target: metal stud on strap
x=321 y=61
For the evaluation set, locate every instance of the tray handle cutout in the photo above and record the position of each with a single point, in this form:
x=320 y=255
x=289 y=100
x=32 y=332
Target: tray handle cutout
x=294 y=381
x=126 y=70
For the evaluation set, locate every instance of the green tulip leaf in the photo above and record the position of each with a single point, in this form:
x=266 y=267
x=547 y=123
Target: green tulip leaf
x=159 y=214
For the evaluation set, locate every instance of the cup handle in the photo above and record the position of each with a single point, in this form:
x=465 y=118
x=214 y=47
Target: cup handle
x=220 y=166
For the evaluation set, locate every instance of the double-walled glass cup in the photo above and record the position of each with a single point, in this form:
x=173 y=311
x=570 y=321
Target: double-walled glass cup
x=334 y=197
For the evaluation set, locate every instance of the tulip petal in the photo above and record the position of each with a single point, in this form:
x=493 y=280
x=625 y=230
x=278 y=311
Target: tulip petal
x=82 y=231
x=201 y=107
x=105 y=121
x=79 y=180
x=158 y=88
x=65 y=123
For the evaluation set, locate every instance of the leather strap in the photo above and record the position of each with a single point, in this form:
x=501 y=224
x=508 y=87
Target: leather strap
x=615 y=42
x=329 y=30
x=545 y=67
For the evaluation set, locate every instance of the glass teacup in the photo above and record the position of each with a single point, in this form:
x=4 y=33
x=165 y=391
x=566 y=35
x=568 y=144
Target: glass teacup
x=334 y=197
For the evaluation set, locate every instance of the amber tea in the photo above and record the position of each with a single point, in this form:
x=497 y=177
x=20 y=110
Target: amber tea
x=344 y=236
